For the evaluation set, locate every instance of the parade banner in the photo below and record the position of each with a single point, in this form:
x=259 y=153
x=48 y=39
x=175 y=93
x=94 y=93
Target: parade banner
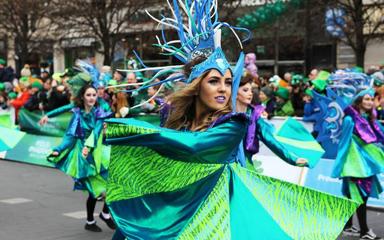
x=33 y=149
x=29 y=122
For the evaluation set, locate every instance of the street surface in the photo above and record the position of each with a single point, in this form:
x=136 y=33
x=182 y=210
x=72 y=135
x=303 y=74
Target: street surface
x=37 y=203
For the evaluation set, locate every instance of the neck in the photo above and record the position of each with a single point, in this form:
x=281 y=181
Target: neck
x=87 y=108
x=200 y=112
x=241 y=107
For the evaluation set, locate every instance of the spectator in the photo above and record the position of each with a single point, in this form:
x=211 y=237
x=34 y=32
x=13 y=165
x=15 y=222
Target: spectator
x=58 y=96
x=283 y=104
x=119 y=77
x=24 y=95
x=6 y=73
x=267 y=100
x=37 y=98
x=153 y=105
x=297 y=93
x=313 y=74
x=44 y=75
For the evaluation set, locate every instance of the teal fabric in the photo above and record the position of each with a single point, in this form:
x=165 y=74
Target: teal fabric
x=60 y=110
x=165 y=206
x=249 y=218
x=266 y=133
x=358 y=160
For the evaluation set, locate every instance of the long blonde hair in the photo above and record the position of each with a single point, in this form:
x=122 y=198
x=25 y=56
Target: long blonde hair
x=182 y=111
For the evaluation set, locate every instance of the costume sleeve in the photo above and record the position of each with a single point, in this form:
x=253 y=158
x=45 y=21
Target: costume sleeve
x=344 y=145
x=265 y=132
x=215 y=145
x=68 y=139
x=60 y=110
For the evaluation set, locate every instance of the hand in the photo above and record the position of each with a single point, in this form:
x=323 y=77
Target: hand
x=43 y=120
x=301 y=162
x=55 y=153
x=264 y=114
x=85 y=152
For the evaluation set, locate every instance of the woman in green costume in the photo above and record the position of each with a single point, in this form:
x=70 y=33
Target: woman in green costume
x=259 y=129
x=184 y=181
x=360 y=159
x=82 y=155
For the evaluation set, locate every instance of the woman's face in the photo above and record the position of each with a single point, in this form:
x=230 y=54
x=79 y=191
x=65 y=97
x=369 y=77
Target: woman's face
x=151 y=91
x=262 y=96
x=90 y=97
x=244 y=95
x=215 y=90
x=367 y=102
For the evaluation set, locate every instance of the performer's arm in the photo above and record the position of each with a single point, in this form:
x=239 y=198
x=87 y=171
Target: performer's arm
x=265 y=132
x=60 y=110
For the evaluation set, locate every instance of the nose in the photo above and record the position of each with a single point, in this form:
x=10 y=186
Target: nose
x=222 y=87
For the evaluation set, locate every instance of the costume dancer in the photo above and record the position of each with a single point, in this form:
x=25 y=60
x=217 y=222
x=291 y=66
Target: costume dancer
x=183 y=181
x=360 y=139
x=82 y=155
x=259 y=129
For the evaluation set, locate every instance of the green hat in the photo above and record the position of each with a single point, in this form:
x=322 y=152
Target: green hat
x=12 y=95
x=112 y=82
x=358 y=69
x=2 y=87
x=24 y=81
x=323 y=75
x=296 y=79
x=38 y=85
x=57 y=77
x=308 y=92
x=283 y=93
x=319 y=85
x=2 y=61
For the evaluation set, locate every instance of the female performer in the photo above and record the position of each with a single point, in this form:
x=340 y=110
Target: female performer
x=360 y=158
x=184 y=181
x=259 y=129
x=82 y=155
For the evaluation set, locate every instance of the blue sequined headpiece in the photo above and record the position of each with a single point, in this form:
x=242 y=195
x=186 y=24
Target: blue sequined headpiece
x=216 y=61
x=199 y=34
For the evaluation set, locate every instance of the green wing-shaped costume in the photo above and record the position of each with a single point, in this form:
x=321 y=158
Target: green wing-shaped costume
x=167 y=184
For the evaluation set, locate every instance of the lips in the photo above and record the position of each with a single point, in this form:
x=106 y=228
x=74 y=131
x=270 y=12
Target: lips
x=220 y=99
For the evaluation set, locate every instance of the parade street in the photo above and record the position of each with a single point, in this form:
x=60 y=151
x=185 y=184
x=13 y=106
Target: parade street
x=37 y=203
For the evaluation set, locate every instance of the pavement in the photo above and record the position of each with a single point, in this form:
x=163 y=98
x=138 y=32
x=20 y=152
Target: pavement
x=37 y=203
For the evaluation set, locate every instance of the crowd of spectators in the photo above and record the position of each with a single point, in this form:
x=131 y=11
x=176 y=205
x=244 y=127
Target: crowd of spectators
x=289 y=95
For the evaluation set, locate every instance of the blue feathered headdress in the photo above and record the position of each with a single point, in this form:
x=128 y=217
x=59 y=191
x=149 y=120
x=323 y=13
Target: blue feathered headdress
x=199 y=34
